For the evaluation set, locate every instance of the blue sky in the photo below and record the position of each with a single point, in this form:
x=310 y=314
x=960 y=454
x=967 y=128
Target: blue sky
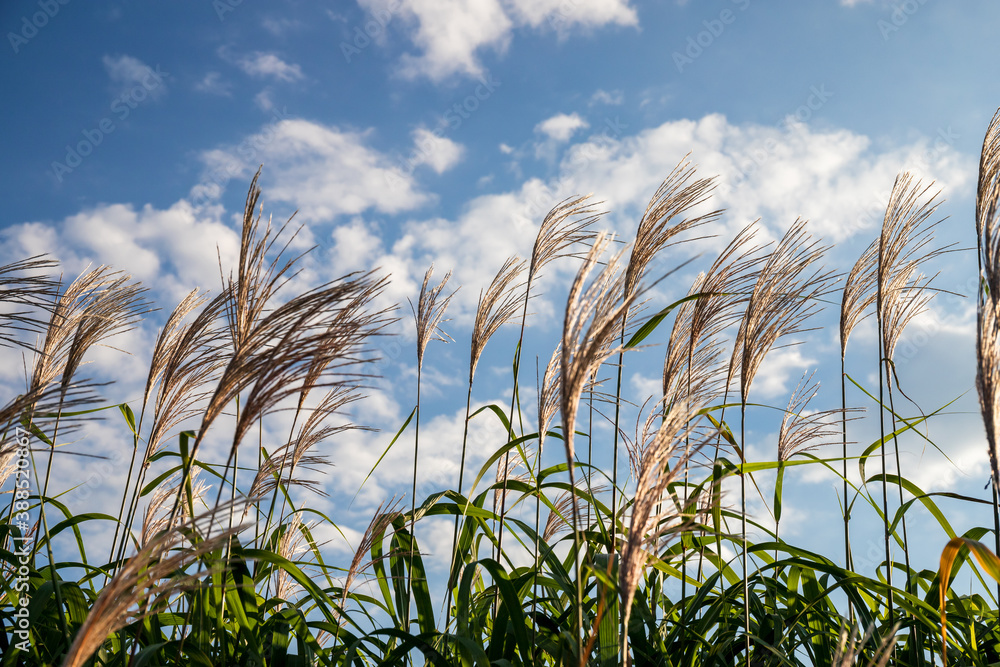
x=412 y=131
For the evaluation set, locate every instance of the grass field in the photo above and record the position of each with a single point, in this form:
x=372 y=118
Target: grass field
x=558 y=563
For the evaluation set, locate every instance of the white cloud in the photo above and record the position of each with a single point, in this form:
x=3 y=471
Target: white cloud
x=490 y=229
x=212 y=83
x=561 y=126
x=782 y=367
x=452 y=35
x=561 y=15
x=269 y=65
x=614 y=98
x=355 y=246
x=152 y=245
x=829 y=177
x=438 y=152
x=129 y=74
x=321 y=170
x=263 y=100
x=439 y=457
x=833 y=178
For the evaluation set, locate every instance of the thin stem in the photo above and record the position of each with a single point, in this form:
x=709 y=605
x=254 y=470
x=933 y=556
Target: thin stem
x=743 y=529
x=885 y=483
x=413 y=508
x=291 y=470
x=461 y=479
x=576 y=563
x=848 y=560
x=614 y=464
x=510 y=421
x=996 y=528
x=56 y=583
x=899 y=486
x=121 y=510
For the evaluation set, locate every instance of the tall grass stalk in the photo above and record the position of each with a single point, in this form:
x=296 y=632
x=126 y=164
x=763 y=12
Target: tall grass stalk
x=900 y=296
x=428 y=317
x=857 y=297
x=657 y=231
x=784 y=296
x=497 y=305
x=988 y=259
x=567 y=225
x=593 y=314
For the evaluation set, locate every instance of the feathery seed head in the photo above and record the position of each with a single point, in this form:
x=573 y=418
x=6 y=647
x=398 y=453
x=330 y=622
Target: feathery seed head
x=429 y=313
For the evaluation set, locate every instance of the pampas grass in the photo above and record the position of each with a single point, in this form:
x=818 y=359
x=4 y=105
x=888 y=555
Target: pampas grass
x=594 y=313
x=784 y=296
x=901 y=294
x=428 y=317
x=227 y=369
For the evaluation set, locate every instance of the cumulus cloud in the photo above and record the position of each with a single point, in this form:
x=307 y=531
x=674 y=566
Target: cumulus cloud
x=438 y=467
x=834 y=178
x=562 y=15
x=263 y=100
x=561 y=126
x=452 y=35
x=355 y=246
x=154 y=246
x=321 y=170
x=269 y=65
x=437 y=152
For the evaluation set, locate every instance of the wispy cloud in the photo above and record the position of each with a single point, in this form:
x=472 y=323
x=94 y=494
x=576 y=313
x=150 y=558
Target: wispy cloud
x=127 y=73
x=213 y=84
x=613 y=98
x=264 y=65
